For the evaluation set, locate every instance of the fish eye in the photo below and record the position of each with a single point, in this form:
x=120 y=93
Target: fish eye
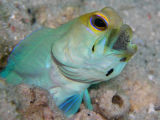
x=98 y=22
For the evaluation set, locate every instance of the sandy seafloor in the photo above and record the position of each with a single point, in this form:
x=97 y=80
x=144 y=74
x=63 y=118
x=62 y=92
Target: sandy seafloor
x=133 y=95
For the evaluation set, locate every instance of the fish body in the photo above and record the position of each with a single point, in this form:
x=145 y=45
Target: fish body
x=92 y=48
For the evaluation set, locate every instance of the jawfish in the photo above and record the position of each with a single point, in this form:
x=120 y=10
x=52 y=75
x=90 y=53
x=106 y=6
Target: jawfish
x=87 y=50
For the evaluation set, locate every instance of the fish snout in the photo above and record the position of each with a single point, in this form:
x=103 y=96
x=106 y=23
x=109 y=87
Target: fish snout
x=123 y=42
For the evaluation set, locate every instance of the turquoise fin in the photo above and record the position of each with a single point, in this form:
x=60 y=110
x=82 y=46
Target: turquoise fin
x=12 y=78
x=87 y=100
x=71 y=105
x=4 y=73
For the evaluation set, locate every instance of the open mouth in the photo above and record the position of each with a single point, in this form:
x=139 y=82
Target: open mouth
x=123 y=42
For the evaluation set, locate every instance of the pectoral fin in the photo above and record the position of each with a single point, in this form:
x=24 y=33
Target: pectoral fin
x=87 y=100
x=71 y=105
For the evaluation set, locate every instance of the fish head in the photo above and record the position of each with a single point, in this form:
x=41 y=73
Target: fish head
x=96 y=47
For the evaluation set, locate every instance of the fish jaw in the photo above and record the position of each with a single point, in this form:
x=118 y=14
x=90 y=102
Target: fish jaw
x=119 y=42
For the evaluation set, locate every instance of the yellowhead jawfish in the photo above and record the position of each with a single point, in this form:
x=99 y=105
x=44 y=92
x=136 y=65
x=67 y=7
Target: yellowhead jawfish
x=92 y=48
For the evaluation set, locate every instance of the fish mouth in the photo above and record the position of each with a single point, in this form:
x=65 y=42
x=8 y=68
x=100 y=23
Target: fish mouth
x=123 y=44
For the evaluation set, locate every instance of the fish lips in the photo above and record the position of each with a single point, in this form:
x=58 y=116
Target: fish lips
x=123 y=42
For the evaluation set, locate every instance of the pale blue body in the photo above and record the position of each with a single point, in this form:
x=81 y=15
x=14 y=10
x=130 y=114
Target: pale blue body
x=31 y=62
x=63 y=61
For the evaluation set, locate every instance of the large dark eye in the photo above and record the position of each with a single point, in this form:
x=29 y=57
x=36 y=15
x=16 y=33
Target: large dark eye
x=98 y=22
